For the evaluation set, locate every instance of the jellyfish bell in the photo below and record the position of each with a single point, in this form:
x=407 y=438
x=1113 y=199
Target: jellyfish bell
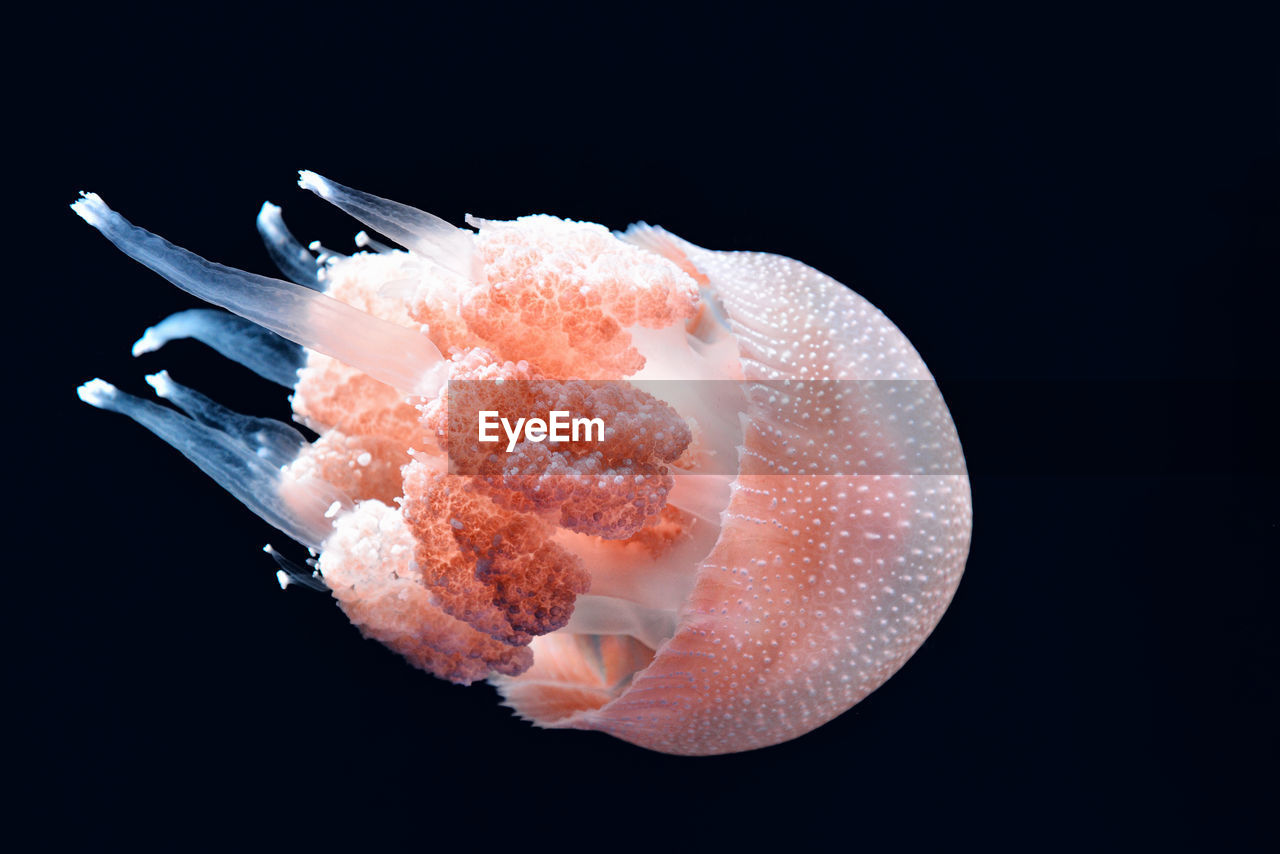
x=772 y=518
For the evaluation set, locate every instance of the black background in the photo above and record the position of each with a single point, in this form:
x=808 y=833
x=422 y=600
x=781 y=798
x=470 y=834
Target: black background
x=1058 y=207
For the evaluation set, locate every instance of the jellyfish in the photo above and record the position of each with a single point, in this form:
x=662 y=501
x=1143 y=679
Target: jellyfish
x=772 y=515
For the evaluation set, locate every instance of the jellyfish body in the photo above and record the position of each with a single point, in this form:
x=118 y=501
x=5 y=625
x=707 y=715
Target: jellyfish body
x=775 y=519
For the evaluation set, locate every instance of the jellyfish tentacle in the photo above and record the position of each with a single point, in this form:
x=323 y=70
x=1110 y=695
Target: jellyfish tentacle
x=325 y=257
x=364 y=241
x=274 y=441
x=292 y=572
x=286 y=251
x=397 y=355
x=260 y=350
x=301 y=509
x=418 y=231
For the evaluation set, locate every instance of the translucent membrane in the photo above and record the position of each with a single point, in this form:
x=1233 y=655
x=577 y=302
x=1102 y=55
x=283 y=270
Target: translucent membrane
x=607 y=615
x=276 y=442
x=286 y=251
x=703 y=495
x=227 y=447
x=364 y=241
x=418 y=231
x=260 y=350
x=396 y=355
x=325 y=257
x=291 y=572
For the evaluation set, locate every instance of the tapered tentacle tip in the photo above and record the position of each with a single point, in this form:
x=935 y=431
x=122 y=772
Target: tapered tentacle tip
x=270 y=218
x=148 y=343
x=293 y=573
x=91 y=208
x=97 y=392
x=317 y=184
x=282 y=577
x=161 y=382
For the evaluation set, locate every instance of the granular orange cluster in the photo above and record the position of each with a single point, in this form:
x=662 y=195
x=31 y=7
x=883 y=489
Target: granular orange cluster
x=542 y=328
x=370 y=566
x=498 y=572
x=609 y=481
x=561 y=294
